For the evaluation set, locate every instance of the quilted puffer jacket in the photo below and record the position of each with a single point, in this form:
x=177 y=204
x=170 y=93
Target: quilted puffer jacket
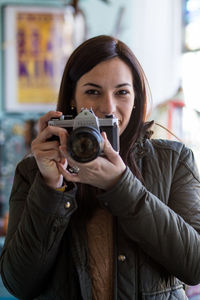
x=157 y=227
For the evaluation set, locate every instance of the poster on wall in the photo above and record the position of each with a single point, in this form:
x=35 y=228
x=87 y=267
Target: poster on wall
x=37 y=43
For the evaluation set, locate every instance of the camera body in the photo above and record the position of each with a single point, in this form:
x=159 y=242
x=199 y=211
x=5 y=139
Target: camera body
x=85 y=142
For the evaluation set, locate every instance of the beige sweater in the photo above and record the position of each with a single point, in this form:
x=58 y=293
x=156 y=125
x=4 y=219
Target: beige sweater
x=100 y=240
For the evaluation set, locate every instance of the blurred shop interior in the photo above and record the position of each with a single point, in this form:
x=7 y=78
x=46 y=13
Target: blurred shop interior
x=36 y=38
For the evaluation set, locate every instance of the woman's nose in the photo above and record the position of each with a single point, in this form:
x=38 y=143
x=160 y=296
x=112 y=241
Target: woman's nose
x=107 y=106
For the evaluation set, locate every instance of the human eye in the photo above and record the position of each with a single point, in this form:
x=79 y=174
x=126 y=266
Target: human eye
x=92 y=92
x=123 y=92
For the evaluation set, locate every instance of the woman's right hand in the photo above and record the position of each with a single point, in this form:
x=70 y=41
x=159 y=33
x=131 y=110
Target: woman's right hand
x=47 y=153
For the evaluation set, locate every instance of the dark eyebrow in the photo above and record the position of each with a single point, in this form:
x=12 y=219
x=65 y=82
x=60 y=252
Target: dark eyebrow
x=92 y=84
x=98 y=86
x=123 y=84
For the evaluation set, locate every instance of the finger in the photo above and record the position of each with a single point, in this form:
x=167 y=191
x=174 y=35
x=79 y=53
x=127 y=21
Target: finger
x=64 y=152
x=63 y=135
x=108 y=150
x=45 y=146
x=64 y=162
x=50 y=131
x=70 y=160
x=67 y=175
x=49 y=154
x=43 y=121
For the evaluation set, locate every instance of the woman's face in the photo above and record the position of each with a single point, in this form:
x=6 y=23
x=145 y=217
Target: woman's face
x=107 y=89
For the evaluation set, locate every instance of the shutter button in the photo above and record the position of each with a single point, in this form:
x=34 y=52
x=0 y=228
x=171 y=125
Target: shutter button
x=67 y=204
x=121 y=257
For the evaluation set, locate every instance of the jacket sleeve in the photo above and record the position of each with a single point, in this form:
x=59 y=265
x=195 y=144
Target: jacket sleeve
x=169 y=234
x=38 y=217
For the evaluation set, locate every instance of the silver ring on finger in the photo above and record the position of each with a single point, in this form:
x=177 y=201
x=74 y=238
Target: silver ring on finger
x=74 y=170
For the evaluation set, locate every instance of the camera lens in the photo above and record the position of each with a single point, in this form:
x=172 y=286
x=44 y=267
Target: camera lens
x=85 y=144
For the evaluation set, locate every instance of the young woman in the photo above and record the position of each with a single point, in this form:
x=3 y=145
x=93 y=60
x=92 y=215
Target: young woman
x=123 y=226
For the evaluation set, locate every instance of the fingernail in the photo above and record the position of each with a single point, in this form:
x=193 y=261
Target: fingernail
x=62 y=151
x=62 y=161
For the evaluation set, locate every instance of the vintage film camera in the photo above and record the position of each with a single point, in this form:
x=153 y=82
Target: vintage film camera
x=85 y=142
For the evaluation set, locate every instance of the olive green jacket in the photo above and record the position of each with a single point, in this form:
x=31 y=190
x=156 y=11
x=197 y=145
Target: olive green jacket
x=157 y=228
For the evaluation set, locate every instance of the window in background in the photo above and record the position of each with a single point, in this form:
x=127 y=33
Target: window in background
x=181 y=112
x=191 y=55
x=192 y=24
x=191 y=89
x=191 y=75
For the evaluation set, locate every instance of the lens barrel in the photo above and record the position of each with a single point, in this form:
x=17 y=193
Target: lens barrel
x=85 y=144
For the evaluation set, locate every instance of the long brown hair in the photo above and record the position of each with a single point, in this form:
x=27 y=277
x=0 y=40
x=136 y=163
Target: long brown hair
x=86 y=57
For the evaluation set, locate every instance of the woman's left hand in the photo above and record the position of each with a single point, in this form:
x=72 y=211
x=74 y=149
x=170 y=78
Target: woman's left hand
x=103 y=172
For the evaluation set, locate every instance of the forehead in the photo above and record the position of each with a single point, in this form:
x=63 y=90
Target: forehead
x=113 y=69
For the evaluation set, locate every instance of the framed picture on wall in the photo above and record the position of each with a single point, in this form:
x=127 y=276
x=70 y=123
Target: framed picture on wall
x=37 y=43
